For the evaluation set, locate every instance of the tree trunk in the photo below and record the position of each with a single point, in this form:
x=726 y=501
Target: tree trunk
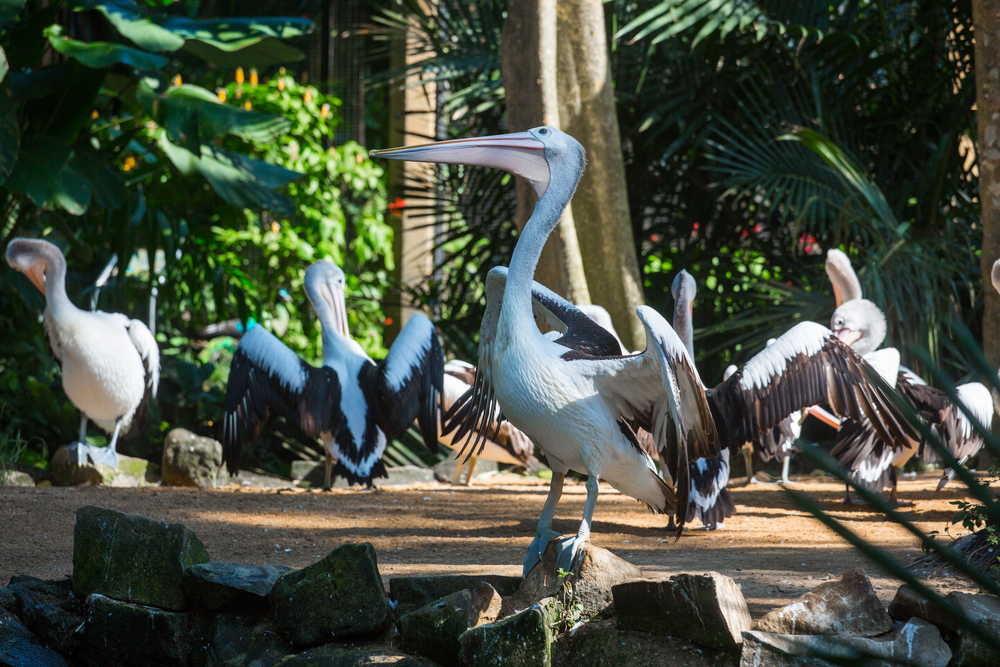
x=528 y=57
x=600 y=206
x=986 y=19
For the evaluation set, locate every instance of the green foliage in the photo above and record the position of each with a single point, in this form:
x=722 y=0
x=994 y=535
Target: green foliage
x=215 y=195
x=12 y=448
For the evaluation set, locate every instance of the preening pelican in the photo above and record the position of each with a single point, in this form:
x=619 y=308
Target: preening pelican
x=355 y=405
x=579 y=399
x=110 y=363
x=510 y=445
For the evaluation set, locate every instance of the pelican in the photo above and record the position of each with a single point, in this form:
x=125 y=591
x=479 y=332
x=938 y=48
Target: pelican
x=510 y=446
x=353 y=404
x=110 y=363
x=861 y=324
x=579 y=399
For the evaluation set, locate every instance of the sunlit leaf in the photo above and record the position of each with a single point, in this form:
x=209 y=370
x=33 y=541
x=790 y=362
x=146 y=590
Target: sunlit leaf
x=260 y=52
x=233 y=34
x=240 y=180
x=102 y=54
x=127 y=17
x=47 y=174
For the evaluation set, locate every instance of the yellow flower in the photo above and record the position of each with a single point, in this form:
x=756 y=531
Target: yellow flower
x=239 y=75
x=308 y=96
x=281 y=83
x=129 y=163
x=275 y=227
x=324 y=111
x=253 y=77
x=247 y=105
x=177 y=80
x=221 y=92
x=94 y=114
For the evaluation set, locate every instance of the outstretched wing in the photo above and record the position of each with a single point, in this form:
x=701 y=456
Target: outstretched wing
x=806 y=366
x=660 y=391
x=409 y=381
x=265 y=375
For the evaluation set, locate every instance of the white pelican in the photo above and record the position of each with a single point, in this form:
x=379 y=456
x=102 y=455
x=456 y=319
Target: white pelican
x=510 y=445
x=352 y=403
x=110 y=364
x=861 y=324
x=579 y=399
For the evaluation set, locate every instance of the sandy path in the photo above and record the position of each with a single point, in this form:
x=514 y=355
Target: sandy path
x=773 y=551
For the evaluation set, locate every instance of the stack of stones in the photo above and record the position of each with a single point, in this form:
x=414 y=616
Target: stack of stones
x=145 y=593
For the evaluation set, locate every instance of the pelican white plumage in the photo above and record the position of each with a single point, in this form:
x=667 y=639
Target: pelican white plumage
x=353 y=404
x=510 y=445
x=578 y=398
x=110 y=363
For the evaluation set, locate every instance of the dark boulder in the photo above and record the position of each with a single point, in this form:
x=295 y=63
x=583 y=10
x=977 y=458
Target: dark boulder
x=217 y=585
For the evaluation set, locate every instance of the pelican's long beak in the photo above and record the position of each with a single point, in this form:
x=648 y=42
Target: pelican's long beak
x=339 y=311
x=36 y=274
x=824 y=416
x=519 y=153
x=848 y=336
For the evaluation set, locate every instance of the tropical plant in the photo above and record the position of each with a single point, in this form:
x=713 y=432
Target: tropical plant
x=756 y=136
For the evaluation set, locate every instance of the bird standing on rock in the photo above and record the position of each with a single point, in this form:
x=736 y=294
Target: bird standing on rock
x=110 y=363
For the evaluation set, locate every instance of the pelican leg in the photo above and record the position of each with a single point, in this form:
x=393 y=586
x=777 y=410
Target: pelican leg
x=747 y=450
x=544 y=532
x=459 y=467
x=892 y=494
x=569 y=546
x=328 y=479
x=784 y=468
x=468 y=475
x=77 y=451
x=108 y=455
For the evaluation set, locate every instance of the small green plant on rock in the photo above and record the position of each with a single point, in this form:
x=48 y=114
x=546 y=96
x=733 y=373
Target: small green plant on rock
x=570 y=609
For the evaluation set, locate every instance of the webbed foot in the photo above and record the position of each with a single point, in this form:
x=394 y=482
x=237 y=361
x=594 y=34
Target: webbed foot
x=537 y=548
x=567 y=549
x=77 y=452
x=105 y=455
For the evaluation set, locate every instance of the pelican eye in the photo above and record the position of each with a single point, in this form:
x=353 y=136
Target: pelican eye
x=543 y=131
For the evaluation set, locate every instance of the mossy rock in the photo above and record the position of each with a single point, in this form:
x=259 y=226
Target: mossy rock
x=338 y=597
x=335 y=656
x=524 y=639
x=131 y=635
x=132 y=558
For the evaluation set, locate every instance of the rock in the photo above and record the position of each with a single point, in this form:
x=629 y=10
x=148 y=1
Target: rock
x=133 y=635
x=47 y=609
x=909 y=604
x=192 y=460
x=846 y=607
x=444 y=471
x=132 y=558
x=15 y=478
x=708 y=609
x=523 y=640
x=335 y=656
x=917 y=644
x=130 y=472
x=340 y=596
x=313 y=472
x=230 y=639
x=10 y=625
x=433 y=631
x=216 y=584
x=595 y=572
x=412 y=593
x=17 y=650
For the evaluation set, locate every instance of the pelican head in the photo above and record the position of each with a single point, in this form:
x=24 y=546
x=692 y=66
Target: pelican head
x=533 y=155
x=35 y=258
x=845 y=282
x=325 y=284
x=996 y=275
x=684 y=289
x=860 y=324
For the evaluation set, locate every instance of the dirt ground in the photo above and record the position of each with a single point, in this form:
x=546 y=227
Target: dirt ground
x=774 y=551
